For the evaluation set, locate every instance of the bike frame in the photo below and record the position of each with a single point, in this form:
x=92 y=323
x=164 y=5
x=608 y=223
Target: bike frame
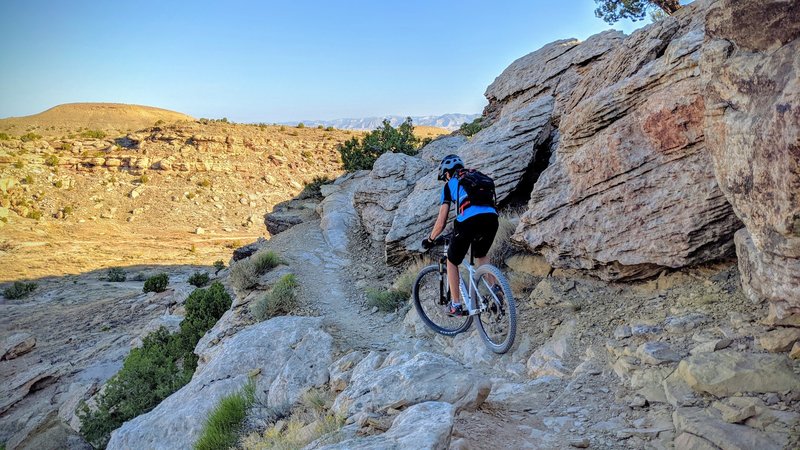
x=468 y=296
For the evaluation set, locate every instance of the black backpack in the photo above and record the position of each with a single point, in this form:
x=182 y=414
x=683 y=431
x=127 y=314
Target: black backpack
x=479 y=187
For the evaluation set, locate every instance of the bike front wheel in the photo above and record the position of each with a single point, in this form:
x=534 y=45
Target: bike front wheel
x=498 y=323
x=430 y=301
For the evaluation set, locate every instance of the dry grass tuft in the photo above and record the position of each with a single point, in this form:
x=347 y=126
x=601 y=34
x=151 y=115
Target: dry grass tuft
x=245 y=272
x=502 y=248
x=310 y=419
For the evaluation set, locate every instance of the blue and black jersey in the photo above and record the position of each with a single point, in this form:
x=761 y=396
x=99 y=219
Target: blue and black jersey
x=449 y=196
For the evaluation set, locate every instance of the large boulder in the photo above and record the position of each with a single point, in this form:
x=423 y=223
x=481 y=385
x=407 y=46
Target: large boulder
x=403 y=379
x=631 y=189
x=287 y=214
x=425 y=426
x=380 y=193
x=752 y=74
x=726 y=373
x=289 y=354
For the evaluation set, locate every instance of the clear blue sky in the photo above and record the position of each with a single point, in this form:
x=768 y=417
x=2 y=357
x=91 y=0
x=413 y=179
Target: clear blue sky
x=273 y=61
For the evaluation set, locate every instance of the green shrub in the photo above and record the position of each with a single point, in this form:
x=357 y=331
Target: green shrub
x=28 y=179
x=312 y=188
x=329 y=129
x=203 y=308
x=222 y=427
x=218 y=265
x=59 y=184
x=156 y=283
x=51 y=160
x=4 y=137
x=116 y=274
x=162 y=365
x=18 y=290
x=34 y=214
x=386 y=301
x=27 y=137
x=198 y=279
x=265 y=261
x=148 y=375
x=301 y=125
x=468 y=129
x=279 y=301
x=361 y=154
x=144 y=179
x=93 y=134
x=319 y=127
x=19 y=164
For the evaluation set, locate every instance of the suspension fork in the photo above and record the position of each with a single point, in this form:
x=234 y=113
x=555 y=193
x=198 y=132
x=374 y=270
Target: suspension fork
x=444 y=286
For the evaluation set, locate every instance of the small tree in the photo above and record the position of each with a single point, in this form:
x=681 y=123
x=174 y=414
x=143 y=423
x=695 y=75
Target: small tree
x=156 y=283
x=360 y=155
x=115 y=274
x=198 y=279
x=613 y=10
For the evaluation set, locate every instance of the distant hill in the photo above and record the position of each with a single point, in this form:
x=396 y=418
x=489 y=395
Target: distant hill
x=447 y=121
x=96 y=116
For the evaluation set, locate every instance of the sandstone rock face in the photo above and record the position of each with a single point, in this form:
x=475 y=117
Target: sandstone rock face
x=404 y=379
x=632 y=189
x=423 y=426
x=607 y=138
x=391 y=180
x=290 y=354
x=753 y=128
x=436 y=150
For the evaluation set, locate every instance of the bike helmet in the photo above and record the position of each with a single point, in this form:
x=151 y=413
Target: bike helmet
x=450 y=162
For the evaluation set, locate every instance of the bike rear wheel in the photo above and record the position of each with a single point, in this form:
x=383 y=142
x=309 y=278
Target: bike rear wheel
x=428 y=294
x=498 y=323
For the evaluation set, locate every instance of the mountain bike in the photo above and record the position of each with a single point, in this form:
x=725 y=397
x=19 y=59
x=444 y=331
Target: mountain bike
x=488 y=297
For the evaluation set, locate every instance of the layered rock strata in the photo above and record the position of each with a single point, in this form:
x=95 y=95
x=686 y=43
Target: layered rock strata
x=752 y=120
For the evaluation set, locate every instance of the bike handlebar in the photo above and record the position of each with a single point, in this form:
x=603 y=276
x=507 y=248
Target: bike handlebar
x=443 y=239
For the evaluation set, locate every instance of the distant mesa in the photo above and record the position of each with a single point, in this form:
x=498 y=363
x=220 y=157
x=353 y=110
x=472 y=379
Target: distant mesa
x=447 y=121
x=101 y=116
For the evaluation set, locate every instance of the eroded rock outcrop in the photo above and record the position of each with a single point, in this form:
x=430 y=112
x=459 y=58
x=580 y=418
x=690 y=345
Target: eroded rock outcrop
x=404 y=379
x=753 y=127
x=632 y=189
x=389 y=183
x=607 y=138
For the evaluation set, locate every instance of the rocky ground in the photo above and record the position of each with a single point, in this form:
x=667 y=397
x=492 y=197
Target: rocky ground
x=61 y=343
x=681 y=361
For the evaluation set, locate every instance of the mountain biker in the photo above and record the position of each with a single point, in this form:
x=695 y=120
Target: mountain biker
x=475 y=225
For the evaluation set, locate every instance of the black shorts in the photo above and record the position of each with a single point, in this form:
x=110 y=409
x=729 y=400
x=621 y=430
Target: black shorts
x=477 y=231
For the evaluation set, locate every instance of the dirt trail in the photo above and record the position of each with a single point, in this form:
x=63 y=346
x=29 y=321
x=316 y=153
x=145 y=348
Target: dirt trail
x=521 y=414
x=321 y=273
